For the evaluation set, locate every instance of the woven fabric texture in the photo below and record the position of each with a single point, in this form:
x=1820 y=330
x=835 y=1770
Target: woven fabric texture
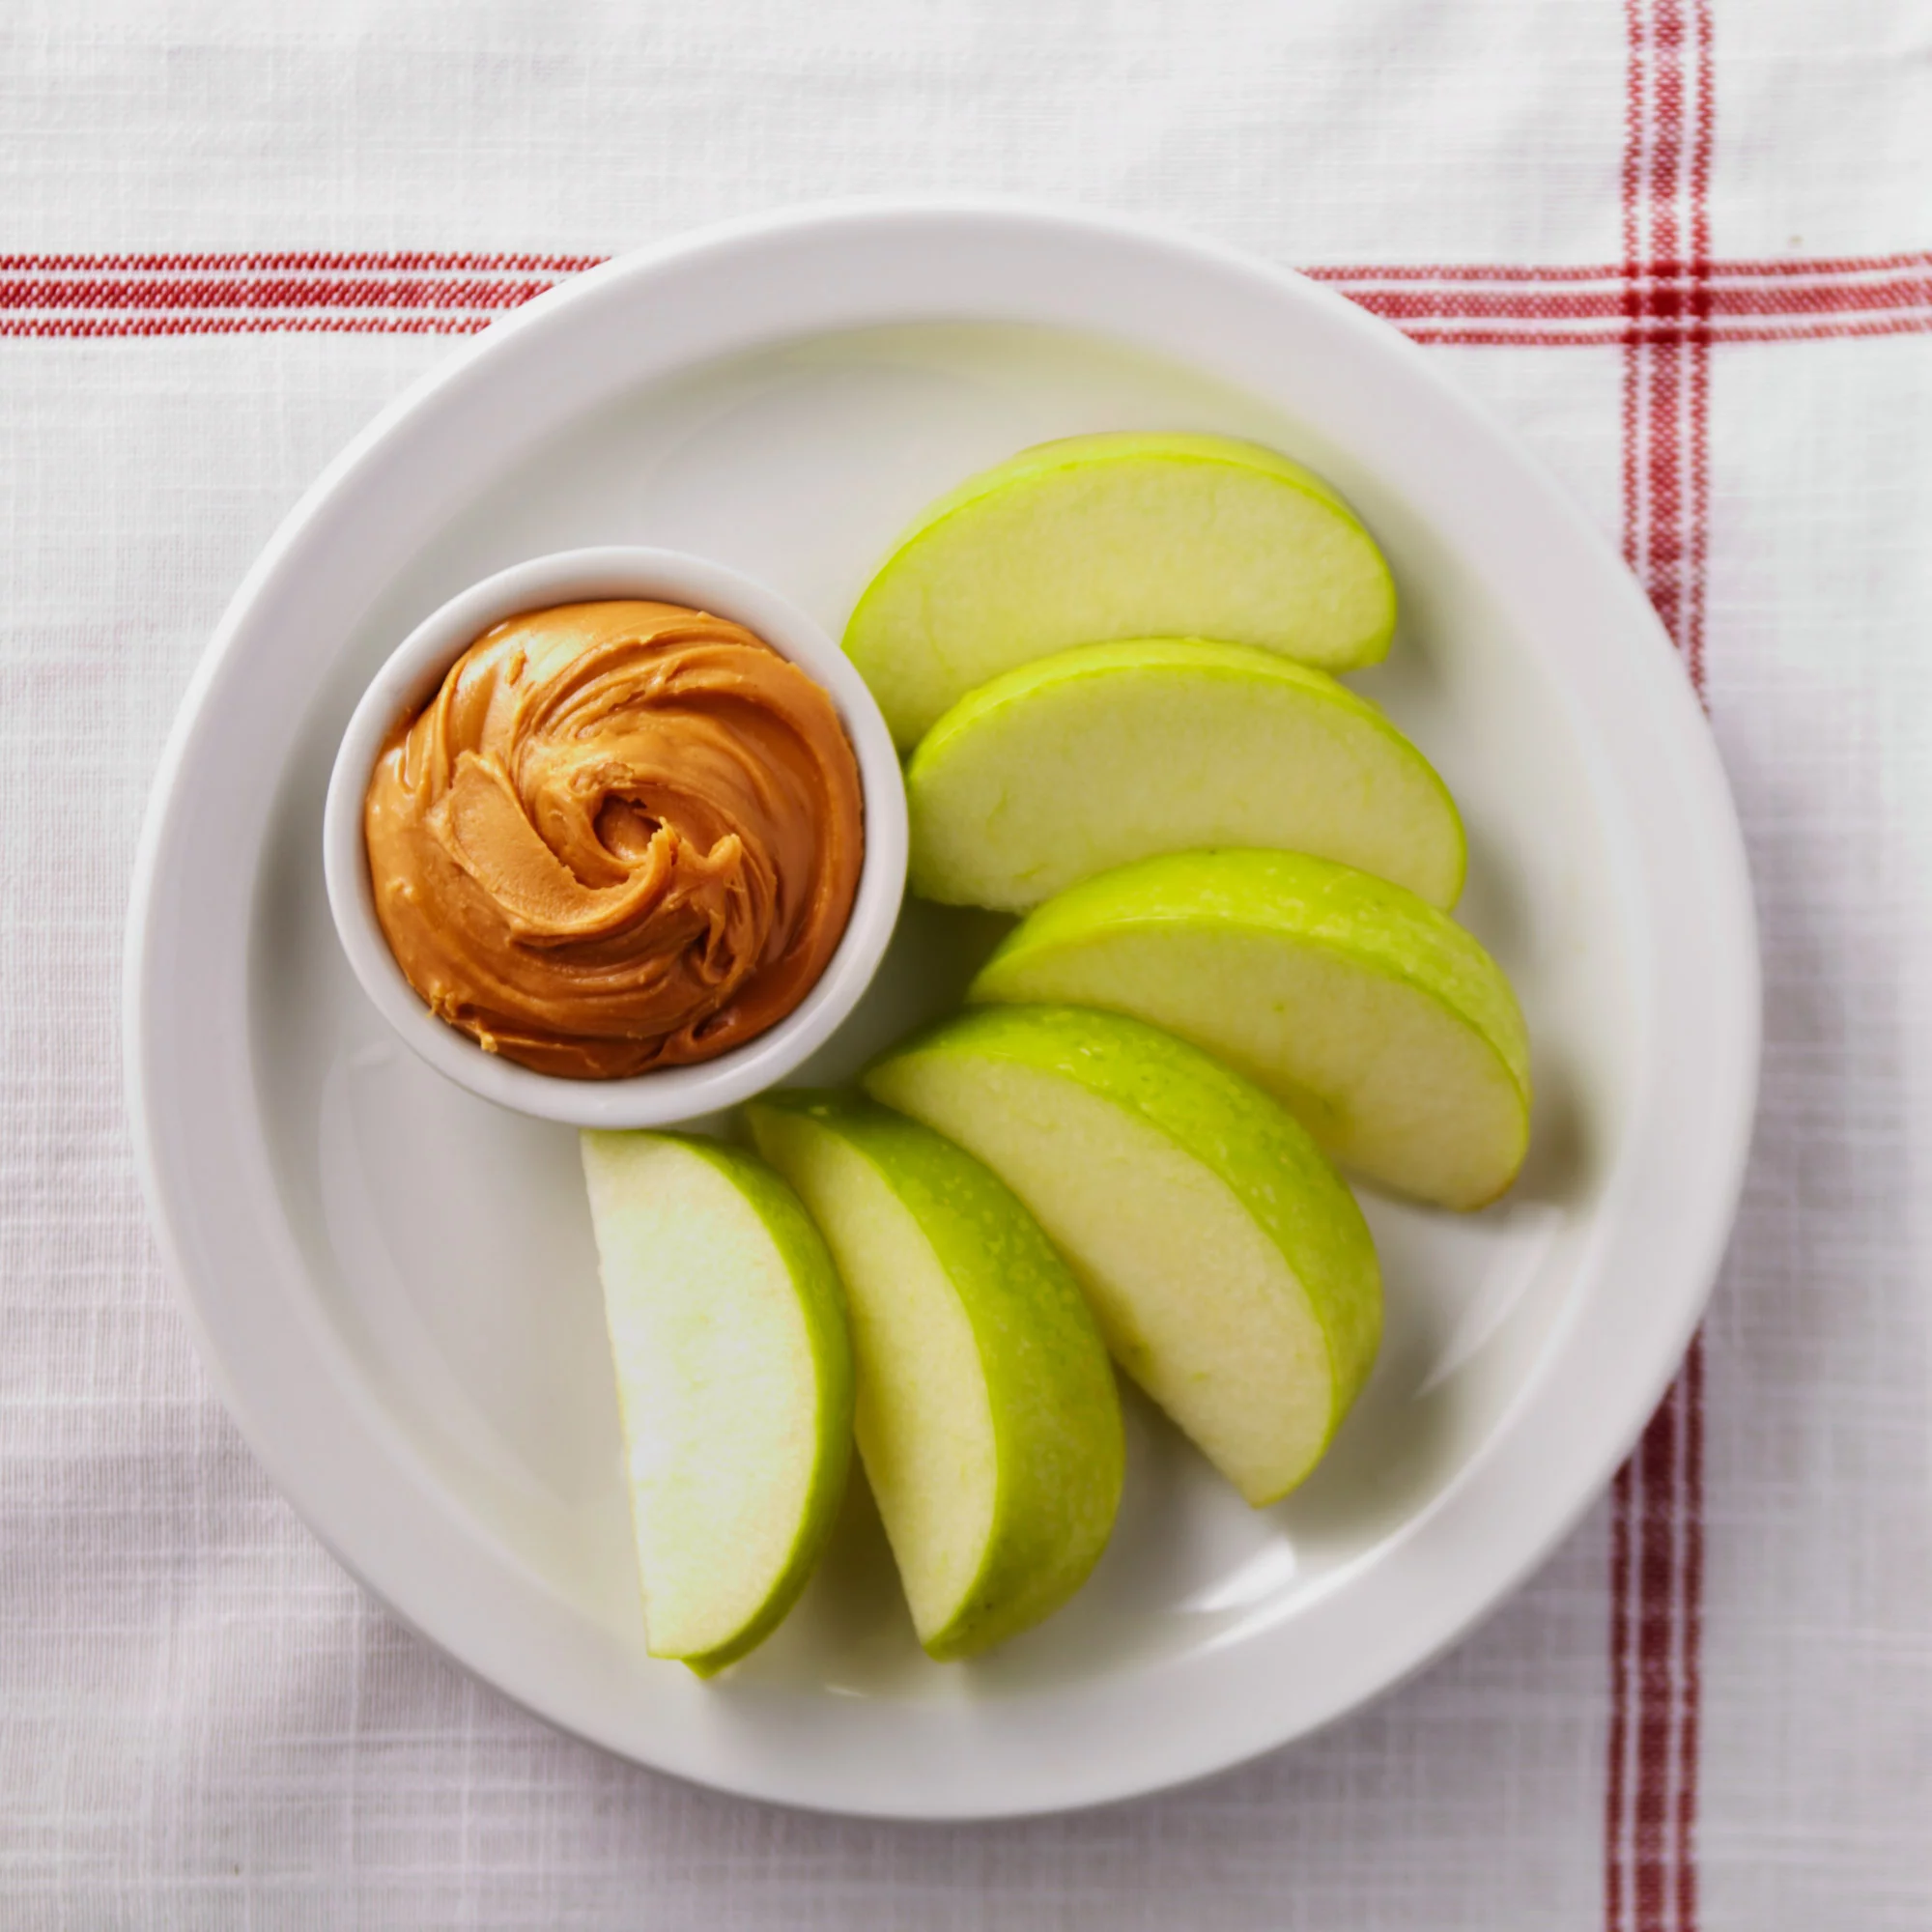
x=1681 y=248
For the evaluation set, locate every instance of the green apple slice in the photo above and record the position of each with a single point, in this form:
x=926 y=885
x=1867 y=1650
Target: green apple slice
x=988 y=1417
x=1232 y=1273
x=1113 y=536
x=1095 y=756
x=1383 y=1026
x=734 y=1381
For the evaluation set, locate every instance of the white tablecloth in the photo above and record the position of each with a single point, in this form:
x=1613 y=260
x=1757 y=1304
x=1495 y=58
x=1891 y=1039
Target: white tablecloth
x=1672 y=249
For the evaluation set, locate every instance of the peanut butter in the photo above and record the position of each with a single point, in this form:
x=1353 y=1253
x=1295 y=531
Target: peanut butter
x=621 y=835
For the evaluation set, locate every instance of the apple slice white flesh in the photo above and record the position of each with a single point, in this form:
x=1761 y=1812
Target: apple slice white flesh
x=734 y=1381
x=1383 y=1026
x=1112 y=536
x=1095 y=756
x=1231 y=1270
x=987 y=1418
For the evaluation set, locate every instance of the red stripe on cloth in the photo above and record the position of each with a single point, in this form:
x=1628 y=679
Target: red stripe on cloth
x=414 y=260
x=212 y=295
x=1691 y=1637
x=1656 y=1531
x=1653 y=1846
x=1618 y=1743
x=1655 y=296
x=1453 y=336
x=1915 y=261
x=1658 y=303
x=1665 y=290
x=1702 y=150
x=84 y=328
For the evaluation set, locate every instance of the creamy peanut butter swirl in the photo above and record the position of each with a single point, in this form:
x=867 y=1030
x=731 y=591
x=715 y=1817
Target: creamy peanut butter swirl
x=621 y=835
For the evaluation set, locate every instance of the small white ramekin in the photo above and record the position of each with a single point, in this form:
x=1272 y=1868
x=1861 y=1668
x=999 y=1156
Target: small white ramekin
x=408 y=680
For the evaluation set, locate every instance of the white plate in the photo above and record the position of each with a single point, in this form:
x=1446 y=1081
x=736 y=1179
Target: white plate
x=394 y=1280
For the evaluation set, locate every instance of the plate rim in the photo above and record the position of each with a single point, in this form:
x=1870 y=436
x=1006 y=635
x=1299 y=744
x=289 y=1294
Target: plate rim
x=731 y=1753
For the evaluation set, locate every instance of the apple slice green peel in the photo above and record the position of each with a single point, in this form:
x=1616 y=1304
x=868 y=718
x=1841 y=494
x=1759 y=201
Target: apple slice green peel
x=734 y=1383
x=988 y=1417
x=1100 y=755
x=1377 y=1021
x=1103 y=537
x=1231 y=1270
